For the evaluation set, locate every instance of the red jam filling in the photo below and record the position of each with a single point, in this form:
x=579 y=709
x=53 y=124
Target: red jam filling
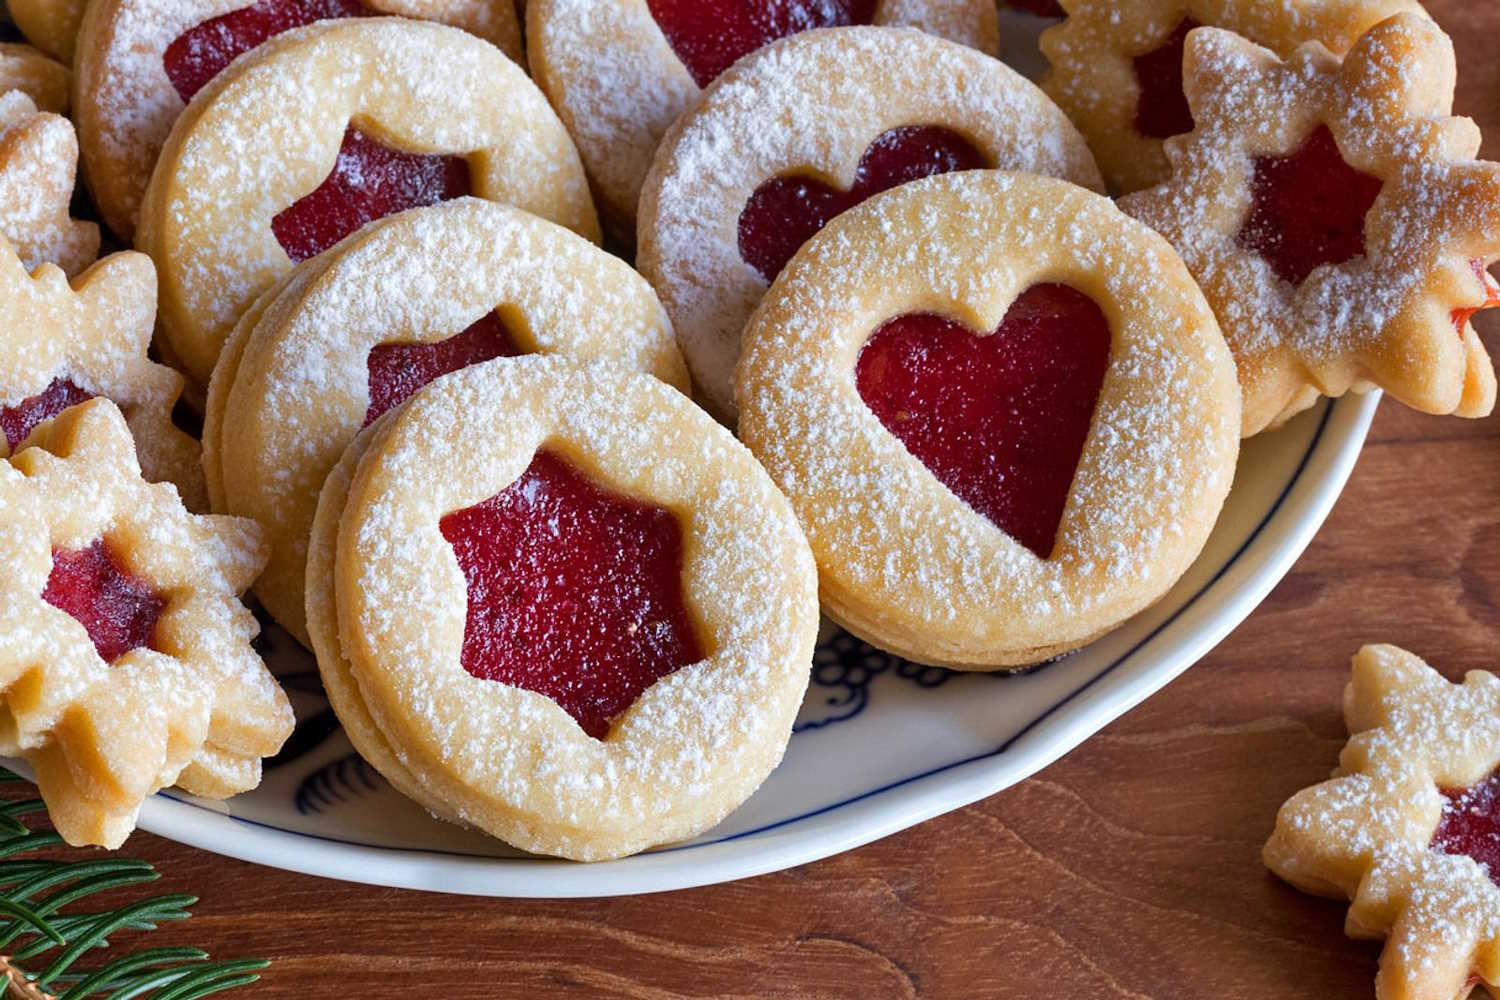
x=1161 y=110
x=1309 y=208
x=574 y=592
x=1461 y=316
x=20 y=420
x=118 y=610
x=369 y=181
x=709 y=35
x=785 y=212
x=198 y=55
x=1470 y=824
x=397 y=371
x=1001 y=419
x=1041 y=8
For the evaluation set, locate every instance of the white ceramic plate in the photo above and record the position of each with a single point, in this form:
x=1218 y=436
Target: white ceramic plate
x=880 y=744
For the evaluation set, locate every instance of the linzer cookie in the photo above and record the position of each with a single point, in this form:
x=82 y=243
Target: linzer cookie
x=141 y=61
x=62 y=344
x=353 y=334
x=1337 y=220
x=619 y=72
x=1408 y=828
x=564 y=605
x=125 y=656
x=1002 y=411
x=759 y=164
x=323 y=129
x=1117 y=64
x=38 y=157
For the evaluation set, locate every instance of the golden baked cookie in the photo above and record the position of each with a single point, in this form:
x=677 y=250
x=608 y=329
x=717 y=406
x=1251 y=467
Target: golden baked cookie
x=325 y=128
x=758 y=165
x=988 y=499
x=38 y=156
x=1117 y=64
x=50 y=25
x=619 y=72
x=1337 y=220
x=567 y=602
x=125 y=656
x=1408 y=828
x=63 y=344
x=46 y=81
x=141 y=61
x=364 y=326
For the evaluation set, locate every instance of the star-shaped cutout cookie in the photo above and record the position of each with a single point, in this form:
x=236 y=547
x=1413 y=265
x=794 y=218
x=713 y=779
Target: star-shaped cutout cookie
x=63 y=342
x=1395 y=313
x=38 y=160
x=1116 y=65
x=46 y=81
x=95 y=563
x=1379 y=833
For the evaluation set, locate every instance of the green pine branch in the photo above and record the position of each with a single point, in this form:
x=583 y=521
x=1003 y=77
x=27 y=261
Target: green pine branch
x=44 y=938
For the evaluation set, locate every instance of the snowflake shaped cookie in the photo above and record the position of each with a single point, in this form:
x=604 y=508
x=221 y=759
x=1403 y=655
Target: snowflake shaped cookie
x=125 y=656
x=63 y=343
x=1337 y=219
x=1406 y=828
x=38 y=159
x=1116 y=65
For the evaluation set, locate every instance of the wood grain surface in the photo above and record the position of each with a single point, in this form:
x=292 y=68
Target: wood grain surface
x=1130 y=869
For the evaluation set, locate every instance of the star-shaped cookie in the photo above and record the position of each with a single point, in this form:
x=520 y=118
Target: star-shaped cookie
x=1406 y=827
x=61 y=343
x=38 y=160
x=1336 y=218
x=1116 y=65
x=125 y=656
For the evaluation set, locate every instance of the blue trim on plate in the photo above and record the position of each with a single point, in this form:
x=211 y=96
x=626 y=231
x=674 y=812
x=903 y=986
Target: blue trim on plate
x=824 y=810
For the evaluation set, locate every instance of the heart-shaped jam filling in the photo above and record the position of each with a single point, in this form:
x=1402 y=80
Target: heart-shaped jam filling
x=17 y=422
x=118 y=610
x=1040 y=8
x=1161 y=110
x=1462 y=316
x=786 y=212
x=369 y=181
x=1001 y=419
x=574 y=592
x=199 y=54
x=1308 y=208
x=709 y=35
x=1470 y=824
x=397 y=371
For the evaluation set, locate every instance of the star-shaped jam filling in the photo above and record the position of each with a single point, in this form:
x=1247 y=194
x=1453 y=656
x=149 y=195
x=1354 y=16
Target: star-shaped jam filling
x=1308 y=208
x=118 y=610
x=1470 y=824
x=1162 y=110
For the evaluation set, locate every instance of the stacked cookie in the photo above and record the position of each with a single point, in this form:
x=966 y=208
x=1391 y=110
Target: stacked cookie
x=560 y=531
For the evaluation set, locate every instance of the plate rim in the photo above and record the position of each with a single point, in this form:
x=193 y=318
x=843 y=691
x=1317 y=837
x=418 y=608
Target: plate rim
x=1260 y=563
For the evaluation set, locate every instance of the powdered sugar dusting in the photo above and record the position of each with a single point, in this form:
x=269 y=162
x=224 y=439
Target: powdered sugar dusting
x=887 y=535
x=695 y=743
x=214 y=195
x=1385 y=316
x=38 y=155
x=618 y=85
x=768 y=117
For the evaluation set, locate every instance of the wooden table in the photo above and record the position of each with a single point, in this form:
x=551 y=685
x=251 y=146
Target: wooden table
x=1130 y=869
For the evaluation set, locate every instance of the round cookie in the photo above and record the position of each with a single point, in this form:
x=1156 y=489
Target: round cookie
x=758 y=158
x=691 y=745
x=222 y=224
x=44 y=80
x=619 y=72
x=357 y=330
x=141 y=61
x=986 y=500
